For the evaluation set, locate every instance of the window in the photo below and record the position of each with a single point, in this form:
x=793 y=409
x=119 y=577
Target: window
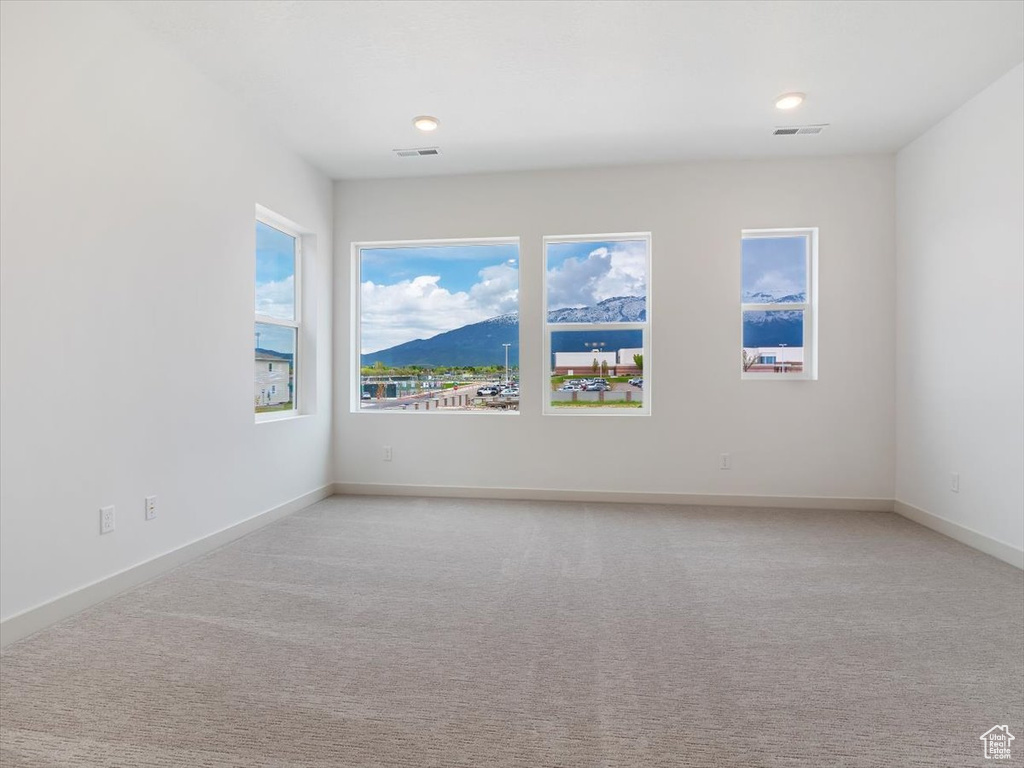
x=437 y=325
x=278 y=317
x=777 y=311
x=597 y=334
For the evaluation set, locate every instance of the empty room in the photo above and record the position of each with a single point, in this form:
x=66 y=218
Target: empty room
x=636 y=384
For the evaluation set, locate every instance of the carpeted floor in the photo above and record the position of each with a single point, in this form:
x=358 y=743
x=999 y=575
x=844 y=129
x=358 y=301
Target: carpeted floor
x=415 y=632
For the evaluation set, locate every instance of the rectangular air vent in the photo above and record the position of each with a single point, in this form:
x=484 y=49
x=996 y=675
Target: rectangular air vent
x=800 y=130
x=418 y=152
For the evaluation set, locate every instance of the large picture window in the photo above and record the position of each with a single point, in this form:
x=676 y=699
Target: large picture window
x=597 y=334
x=278 y=318
x=778 y=302
x=437 y=326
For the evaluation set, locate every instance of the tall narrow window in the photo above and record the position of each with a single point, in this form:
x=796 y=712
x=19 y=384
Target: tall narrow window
x=597 y=335
x=277 y=328
x=437 y=326
x=778 y=303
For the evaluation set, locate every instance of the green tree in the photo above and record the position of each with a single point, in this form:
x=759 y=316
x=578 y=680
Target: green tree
x=596 y=366
x=604 y=367
x=639 y=360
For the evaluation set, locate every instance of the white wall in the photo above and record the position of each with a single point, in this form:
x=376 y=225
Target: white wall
x=960 y=323
x=833 y=437
x=128 y=193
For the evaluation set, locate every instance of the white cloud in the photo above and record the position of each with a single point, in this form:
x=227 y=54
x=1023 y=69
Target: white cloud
x=776 y=283
x=603 y=274
x=498 y=290
x=277 y=299
x=421 y=308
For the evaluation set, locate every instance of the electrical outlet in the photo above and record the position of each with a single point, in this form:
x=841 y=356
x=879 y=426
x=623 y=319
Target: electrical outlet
x=725 y=461
x=106 y=520
x=954 y=482
x=387 y=453
x=151 y=507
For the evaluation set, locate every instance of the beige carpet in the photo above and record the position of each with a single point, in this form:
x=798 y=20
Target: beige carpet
x=411 y=632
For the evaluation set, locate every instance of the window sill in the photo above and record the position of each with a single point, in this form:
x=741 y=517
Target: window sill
x=270 y=418
x=777 y=377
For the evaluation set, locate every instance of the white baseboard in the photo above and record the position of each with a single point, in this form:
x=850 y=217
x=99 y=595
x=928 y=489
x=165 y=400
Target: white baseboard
x=641 y=497
x=961 y=533
x=30 y=621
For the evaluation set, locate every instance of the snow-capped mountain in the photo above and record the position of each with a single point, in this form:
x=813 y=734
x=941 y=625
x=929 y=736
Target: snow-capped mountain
x=620 y=309
x=776 y=327
x=760 y=297
x=772 y=329
x=482 y=343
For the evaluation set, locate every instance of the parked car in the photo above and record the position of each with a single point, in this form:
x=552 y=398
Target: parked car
x=510 y=392
x=597 y=386
x=567 y=387
x=365 y=395
x=488 y=390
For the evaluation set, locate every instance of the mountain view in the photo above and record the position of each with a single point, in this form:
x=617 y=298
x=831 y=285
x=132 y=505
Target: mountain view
x=260 y=352
x=481 y=343
x=620 y=309
x=774 y=328
x=760 y=297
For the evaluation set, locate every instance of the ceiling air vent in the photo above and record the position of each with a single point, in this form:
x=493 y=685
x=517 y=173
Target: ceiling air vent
x=418 y=152
x=800 y=130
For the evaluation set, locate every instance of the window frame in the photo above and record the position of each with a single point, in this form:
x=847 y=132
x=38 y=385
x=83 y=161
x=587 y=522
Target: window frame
x=355 y=379
x=275 y=221
x=645 y=327
x=809 y=307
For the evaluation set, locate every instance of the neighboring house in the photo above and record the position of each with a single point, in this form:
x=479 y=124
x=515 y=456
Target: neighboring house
x=273 y=384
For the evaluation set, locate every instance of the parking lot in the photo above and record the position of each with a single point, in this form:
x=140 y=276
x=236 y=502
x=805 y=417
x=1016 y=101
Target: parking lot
x=598 y=390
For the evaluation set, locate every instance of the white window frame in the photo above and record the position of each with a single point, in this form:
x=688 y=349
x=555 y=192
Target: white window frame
x=548 y=328
x=355 y=400
x=281 y=224
x=809 y=307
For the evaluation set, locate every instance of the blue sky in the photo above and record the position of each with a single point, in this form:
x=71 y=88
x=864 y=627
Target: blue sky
x=458 y=265
x=774 y=265
x=580 y=274
x=275 y=273
x=417 y=293
x=274 y=337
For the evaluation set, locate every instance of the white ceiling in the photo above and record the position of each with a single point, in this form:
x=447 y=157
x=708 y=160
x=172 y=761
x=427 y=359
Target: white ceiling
x=555 y=84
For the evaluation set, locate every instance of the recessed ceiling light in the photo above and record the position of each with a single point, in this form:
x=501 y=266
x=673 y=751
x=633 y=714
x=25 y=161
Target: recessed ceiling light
x=789 y=100
x=426 y=123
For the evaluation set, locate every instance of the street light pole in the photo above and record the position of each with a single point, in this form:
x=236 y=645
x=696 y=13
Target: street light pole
x=506 y=346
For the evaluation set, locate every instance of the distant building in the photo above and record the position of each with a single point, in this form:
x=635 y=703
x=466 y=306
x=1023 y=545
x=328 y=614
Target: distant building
x=627 y=365
x=620 y=363
x=774 y=359
x=273 y=380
